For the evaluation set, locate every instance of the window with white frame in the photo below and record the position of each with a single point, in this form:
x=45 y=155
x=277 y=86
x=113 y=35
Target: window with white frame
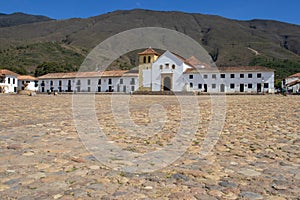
x=259 y=75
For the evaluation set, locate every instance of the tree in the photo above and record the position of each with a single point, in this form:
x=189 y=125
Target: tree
x=20 y=70
x=282 y=67
x=53 y=67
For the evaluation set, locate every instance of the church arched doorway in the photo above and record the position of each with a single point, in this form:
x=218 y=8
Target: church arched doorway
x=167 y=84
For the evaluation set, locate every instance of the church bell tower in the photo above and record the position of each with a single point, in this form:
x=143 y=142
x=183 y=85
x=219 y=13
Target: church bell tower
x=146 y=59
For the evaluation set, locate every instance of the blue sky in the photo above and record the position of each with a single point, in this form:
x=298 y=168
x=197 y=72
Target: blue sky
x=287 y=11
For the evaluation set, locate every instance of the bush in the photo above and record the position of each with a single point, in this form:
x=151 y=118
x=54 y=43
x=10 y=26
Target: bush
x=52 y=67
x=283 y=67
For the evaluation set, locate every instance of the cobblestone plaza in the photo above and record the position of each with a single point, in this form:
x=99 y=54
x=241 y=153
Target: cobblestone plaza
x=257 y=155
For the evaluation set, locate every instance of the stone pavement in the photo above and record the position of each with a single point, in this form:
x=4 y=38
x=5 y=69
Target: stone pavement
x=257 y=155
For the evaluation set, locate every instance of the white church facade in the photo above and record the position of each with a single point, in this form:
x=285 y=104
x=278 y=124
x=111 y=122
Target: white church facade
x=170 y=72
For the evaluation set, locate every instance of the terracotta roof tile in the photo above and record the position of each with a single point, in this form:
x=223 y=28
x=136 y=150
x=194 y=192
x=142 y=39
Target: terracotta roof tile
x=183 y=59
x=149 y=51
x=26 y=77
x=8 y=72
x=114 y=73
x=193 y=60
x=131 y=74
x=232 y=69
x=295 y=75
x=197 y=63
x=246 y=69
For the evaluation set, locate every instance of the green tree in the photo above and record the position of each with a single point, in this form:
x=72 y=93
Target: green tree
x=53 y=67
x=282 y=67
x=20 y=70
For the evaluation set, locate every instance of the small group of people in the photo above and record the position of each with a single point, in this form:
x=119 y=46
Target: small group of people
x=55 y=93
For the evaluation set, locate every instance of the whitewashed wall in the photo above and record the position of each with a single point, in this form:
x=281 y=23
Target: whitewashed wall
x=11 y=83
x=116 y=84
x=214 y=84
x=167 y=60
x=147 y=76
x=31 y=85
x=294 y=88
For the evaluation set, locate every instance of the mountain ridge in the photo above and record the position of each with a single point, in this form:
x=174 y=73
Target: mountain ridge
x=228 y=41
x=19 y=18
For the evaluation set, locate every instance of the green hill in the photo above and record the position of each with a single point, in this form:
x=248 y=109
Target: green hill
x=230 y=42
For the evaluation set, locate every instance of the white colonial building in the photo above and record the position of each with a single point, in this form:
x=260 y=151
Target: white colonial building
x=107 y=81
x=166 y=72
x=293 y=83
x=243 y=79
x=26 y=82
x=170 y=72
x=8 y=81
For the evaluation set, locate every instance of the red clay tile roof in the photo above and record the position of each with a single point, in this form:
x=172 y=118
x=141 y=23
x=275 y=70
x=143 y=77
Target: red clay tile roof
x=193 y=60
x=26 y=77
x=130 y=74
x=197 y=63
x=232 y=69
x=149 y=51
x=114 y=73
x=295 y=75
x=8 y=72
x=183 y=59
x=246 y=69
